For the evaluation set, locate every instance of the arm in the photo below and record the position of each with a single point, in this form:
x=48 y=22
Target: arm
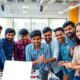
x=2 y=53
x=54 y=52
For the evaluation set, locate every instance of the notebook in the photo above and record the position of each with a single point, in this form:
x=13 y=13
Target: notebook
x=17 y=70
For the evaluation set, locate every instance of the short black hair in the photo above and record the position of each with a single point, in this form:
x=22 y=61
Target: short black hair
x=46 y=29
x=23 y=32
x=35 y=33
x=10 y=30
x=69 y=23
x=0 y=27
x=59 y=29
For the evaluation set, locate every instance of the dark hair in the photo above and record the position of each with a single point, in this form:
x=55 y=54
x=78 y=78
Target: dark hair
x=78 y=40
x=23 y=32
x=0 y=27
x=46 y=29
x=35 y=33
x=69 y=23
x=59 y=29
x=10 y=30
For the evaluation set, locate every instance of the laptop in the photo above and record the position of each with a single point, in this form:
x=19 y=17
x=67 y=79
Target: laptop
x=17 y=70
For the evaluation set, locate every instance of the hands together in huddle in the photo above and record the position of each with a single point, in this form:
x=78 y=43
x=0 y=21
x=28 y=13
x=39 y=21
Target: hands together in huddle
x=66 y=64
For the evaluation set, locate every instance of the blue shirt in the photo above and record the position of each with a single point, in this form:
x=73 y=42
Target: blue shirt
x=7 y=48
x=54 y=45
x=65 y=55
x=71 y=42
x=65 y=52
x=32 y=54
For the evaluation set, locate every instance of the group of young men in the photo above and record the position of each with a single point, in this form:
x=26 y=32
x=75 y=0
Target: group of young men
x=45 y=53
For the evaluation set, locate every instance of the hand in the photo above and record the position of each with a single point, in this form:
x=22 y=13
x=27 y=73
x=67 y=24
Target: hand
x=67 y=65
x=41 y=58
x=61 y=63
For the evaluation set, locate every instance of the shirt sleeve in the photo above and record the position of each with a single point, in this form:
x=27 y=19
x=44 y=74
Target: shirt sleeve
x=28 y=54
x=2 y=53
x=16 y=53
x=55 y=49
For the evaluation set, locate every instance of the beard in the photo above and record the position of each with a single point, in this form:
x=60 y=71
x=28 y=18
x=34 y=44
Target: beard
x=71 y=34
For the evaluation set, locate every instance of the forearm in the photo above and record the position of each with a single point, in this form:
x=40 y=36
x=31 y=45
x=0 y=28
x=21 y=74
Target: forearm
x=51 y=59
x=77 y=67
x=35 y=62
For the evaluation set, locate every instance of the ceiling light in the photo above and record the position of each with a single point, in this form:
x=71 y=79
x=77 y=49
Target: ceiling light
x=24 y=11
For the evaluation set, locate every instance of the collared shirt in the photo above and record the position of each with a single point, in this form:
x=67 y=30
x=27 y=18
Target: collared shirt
x=71 y=42
x=7 y=48
x=65 y=55
x=65 y=52
x=54 y=46
x=32 y=54
x=19 y=50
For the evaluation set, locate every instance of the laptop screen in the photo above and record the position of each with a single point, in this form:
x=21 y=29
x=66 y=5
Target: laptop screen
x=17 y=70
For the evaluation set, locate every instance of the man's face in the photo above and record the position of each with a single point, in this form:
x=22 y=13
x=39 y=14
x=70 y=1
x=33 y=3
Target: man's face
x=10 y=36
x=36 y=40
x=60 y=36
x=69 y=31
x=48 y=36
x=24 y=37
x=0 y=30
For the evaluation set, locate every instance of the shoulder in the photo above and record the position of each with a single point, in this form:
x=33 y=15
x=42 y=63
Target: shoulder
x=29 y=46
x=45 y=46
x=18 y=42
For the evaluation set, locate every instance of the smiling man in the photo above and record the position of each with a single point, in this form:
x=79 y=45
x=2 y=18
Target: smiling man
x=7 y=46
x=39 y=54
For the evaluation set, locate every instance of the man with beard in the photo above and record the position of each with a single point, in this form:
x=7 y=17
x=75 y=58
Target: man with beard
x=54 y=46
x=69 y=28
x=7 y=46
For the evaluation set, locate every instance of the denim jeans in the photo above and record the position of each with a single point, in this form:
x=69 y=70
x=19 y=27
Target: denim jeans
x=44 y=74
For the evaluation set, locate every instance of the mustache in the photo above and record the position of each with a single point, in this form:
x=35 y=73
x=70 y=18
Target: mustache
x=71 y=34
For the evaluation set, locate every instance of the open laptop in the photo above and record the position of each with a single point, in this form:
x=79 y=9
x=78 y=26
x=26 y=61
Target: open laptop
x=17 y=70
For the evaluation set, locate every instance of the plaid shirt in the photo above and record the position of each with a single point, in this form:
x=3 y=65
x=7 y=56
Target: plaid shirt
x=32 y=55
x=19 y=51
x=6 y=50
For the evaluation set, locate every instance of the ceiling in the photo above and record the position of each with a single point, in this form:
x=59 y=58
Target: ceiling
x=35 y=6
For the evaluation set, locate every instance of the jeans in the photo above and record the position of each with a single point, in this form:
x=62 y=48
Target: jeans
x=44 y=74
x=76 y=78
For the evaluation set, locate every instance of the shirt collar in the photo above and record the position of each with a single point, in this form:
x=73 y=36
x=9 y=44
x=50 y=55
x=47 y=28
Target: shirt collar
x=34 y=48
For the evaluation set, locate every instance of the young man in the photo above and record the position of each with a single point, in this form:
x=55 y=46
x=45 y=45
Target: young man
x=65 y=53
x=54 y=46
x=39 y=54
x=69 y=28
x=7 y=45
x=19 y=50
